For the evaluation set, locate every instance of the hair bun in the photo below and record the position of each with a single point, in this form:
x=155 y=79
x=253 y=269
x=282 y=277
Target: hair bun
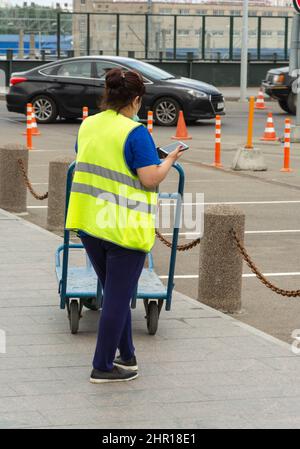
x=115 y=78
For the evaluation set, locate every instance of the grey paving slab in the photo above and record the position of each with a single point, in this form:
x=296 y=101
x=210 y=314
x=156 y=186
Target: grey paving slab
x=202 y=369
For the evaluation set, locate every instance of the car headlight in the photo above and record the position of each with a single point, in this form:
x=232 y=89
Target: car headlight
x=278 y=79
x=197 y=93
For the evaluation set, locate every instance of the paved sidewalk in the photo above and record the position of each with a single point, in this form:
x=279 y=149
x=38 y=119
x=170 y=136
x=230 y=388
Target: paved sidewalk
x=201 y=370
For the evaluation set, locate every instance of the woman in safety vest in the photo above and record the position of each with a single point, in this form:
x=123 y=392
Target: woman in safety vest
x=112 y=207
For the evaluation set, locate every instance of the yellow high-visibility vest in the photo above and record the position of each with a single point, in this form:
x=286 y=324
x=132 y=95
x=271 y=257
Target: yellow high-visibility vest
x=107 y=200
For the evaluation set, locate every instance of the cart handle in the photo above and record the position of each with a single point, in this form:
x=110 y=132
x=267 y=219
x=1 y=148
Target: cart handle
x=60 y=249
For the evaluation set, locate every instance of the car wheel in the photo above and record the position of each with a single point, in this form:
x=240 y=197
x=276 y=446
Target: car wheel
x=284 y=106
x=45 y=109
x=166 y=111
x=291 y=103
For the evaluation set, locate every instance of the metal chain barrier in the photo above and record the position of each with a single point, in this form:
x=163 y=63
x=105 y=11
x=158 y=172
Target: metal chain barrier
x=184 y=247
x=259 y=275
x=28 y=183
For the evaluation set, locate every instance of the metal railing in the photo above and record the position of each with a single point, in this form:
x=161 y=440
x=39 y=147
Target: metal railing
x=174 y=37
x=149 y=36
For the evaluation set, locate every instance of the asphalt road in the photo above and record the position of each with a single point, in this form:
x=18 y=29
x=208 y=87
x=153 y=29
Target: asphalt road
x=271 y=202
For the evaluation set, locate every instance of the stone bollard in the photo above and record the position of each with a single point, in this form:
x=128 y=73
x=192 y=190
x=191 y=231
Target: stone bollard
x=13 y=194
x=57 y=193
x=221 y=265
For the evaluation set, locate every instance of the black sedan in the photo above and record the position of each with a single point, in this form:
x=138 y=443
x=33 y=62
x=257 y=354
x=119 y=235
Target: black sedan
x=63 y=87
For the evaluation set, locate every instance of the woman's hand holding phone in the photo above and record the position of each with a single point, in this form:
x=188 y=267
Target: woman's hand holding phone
x=176 y=154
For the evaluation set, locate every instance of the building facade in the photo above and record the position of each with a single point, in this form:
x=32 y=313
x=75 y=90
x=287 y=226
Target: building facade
x=188 y=32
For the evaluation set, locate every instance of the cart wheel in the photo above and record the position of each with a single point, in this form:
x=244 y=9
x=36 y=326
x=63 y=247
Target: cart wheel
x=74 y=317
x=152 y=317
x=91 y=303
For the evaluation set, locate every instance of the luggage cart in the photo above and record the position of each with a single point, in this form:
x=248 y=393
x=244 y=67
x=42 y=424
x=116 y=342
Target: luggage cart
x=79 y=285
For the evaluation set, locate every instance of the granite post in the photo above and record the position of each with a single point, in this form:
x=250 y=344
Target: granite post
x=221 y=265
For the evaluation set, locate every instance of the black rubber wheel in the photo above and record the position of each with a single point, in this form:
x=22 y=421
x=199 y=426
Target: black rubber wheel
x=91 y=303
x=45 y=109
x=152 y=317
x=166 y=111
x=284 y=106
x=291 y=103
x=74 y=316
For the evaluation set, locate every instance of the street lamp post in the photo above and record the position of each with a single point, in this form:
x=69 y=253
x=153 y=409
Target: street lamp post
x=244 y=52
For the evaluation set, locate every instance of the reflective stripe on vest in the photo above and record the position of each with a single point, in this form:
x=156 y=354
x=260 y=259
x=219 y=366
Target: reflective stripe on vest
x=118 y=199
x=110 y=174
x=107 y=200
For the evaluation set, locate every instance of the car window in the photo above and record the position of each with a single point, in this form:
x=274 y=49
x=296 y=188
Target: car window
x=102 y=67
x=149 y=70
x=75 y=69
x=50 y=70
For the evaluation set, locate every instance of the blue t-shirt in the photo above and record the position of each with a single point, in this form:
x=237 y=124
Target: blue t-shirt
x=140 y=149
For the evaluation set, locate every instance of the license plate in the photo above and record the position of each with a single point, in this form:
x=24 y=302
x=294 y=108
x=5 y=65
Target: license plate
x=220 y=106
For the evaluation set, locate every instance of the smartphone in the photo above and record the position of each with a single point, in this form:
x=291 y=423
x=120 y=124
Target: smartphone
x=164 y=151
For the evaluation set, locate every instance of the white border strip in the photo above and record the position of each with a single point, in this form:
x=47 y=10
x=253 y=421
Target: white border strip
x=245 y=275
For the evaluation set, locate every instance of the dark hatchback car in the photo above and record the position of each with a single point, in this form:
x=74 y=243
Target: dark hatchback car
x=63 y=87
x=278 y=85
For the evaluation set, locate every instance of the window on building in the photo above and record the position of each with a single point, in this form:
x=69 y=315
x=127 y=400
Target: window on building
x=184 y=11
x=183 y=32
x=165 y=11
x=219 y=12
x=202 y=12
x=235 y=12
x=252 y=13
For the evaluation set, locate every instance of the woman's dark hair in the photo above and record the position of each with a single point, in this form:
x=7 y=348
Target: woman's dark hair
x=121 y=88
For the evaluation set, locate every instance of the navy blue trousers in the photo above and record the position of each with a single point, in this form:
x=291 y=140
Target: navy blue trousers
x=119 y=270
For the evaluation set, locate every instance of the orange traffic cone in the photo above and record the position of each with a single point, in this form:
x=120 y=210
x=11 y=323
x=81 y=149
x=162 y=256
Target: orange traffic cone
x=34 y=129
x=260 y=101
x=269 y=134
x=181 y=130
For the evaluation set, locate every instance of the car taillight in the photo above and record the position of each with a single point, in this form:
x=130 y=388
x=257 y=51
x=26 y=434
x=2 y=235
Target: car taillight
x=16 y=80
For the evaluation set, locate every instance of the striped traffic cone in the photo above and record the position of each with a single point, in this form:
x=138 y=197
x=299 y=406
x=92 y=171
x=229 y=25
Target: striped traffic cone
x=29 y=127
x=85 y=112
x=150 y=121
x=34 y=129
x=269 y=134
x=217 y=162
x=286 y=149
x=260 y=101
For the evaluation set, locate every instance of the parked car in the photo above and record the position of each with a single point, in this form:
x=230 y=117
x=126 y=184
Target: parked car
x=63 y=87
x=278 y=85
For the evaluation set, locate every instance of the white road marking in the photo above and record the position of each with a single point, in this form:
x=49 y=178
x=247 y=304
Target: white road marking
x=274 y=231
x=234 y=202
x=246 y=275
x=37 y=207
